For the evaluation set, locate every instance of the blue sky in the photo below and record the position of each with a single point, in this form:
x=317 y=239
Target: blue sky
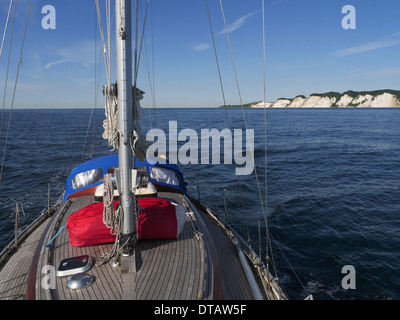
x=307 y=52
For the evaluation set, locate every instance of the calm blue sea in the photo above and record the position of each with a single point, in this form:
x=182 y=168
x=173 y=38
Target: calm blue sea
x=333 y=186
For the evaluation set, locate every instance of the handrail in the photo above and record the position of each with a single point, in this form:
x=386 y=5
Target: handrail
x=249 y=274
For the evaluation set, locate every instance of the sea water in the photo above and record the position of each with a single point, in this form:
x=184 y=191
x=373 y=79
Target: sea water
x=333 y=182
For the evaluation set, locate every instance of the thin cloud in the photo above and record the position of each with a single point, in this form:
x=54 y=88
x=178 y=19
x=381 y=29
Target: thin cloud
x=387 y=72
x=237 y=24
x=52 y=64
x=198 y=47
x=83 y=56
x=201 y=47
x=393 y=35
x=366 y=47
x=276 y=2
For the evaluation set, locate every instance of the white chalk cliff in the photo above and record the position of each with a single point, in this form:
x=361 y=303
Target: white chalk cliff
x=371 y=99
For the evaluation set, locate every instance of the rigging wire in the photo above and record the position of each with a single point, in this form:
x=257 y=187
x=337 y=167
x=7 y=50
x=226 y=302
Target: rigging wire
x=105 y=51
x=267 y=232
x=227 y=116
x=217 y=61
x=149 y=86
x=8 y=68
x=140 y=49
x=241 y=103
x=108 y=14
x=5 y=28
x=15 y=88
x=264 y=210
x=153 y=65
x=109 y=98
x=290 y=266
x=150 y=74
x=94 y=108
x=136 y=50
x=141 y=42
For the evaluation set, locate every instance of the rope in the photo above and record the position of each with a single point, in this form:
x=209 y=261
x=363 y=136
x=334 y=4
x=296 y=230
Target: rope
x=112 y=220
x=56 y=235
x=138 y=146
x=111 y=132
x=110 y=124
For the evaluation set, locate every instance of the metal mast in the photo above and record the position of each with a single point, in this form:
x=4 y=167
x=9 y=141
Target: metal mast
x=125 y=119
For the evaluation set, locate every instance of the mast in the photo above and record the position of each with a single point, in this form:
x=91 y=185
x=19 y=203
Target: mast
x=125 y=120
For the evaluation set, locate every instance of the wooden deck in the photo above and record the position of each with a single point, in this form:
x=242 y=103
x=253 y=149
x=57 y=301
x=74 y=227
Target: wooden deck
x=14 y=274
x=201 y=264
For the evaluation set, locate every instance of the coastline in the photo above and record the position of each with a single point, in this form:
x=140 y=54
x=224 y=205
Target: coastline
x=349 y=99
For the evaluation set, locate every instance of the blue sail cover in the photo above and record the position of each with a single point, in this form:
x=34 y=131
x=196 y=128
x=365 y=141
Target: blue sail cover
x=91 y=174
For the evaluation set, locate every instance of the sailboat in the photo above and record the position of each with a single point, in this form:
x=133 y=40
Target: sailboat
x=126 y=227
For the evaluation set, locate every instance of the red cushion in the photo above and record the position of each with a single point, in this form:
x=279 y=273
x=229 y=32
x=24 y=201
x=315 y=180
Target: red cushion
x=157 y=220
x=86 y=226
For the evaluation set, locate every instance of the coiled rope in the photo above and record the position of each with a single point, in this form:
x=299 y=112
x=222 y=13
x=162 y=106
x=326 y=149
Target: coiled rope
x=110 y=123
x=111 y=218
